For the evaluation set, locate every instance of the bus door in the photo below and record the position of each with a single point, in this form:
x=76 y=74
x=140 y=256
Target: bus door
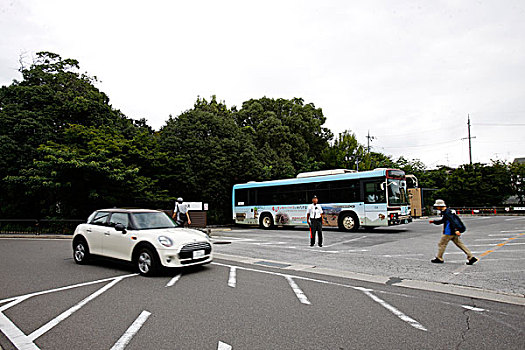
x=375 y=203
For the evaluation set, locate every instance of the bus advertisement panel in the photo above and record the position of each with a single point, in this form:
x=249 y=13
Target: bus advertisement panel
x=349 y=199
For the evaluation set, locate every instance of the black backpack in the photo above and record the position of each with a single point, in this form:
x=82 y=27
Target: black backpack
x=457 y=223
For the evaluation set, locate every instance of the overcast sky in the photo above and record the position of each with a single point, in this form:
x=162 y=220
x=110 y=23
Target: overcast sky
x=408 y=71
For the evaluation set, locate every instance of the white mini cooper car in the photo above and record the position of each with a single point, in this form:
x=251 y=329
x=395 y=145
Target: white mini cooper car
x=147 y=238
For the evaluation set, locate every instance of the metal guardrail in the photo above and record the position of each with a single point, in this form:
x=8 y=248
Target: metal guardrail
x=490 y=211
x=39 y=227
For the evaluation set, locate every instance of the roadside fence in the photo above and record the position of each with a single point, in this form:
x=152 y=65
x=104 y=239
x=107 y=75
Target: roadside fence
x=490 y=211
x=39 y=227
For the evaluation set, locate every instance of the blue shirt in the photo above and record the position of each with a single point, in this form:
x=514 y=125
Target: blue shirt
x=446 y=220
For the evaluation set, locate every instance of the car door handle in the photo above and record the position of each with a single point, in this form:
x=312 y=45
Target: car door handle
x=107 y=233
x=88 y=230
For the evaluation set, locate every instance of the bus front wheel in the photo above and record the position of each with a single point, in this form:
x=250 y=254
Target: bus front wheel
x=266 y=221
x=348 y=222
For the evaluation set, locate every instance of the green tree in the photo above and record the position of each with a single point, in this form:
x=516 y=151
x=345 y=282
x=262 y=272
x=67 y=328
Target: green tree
x=345 y=152
x=207 y=154
x=476 y=185
x=92 y=168
x=288 y=134
x=51 y=95
x=517 y=174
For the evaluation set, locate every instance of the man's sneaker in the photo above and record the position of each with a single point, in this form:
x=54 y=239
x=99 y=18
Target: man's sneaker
x=311 y=245
x=437 y=261
x=472 y=260
x=320 y=245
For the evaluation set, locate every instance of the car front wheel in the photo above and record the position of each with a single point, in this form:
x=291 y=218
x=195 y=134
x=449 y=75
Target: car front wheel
x=146 y=262
x=81 y=252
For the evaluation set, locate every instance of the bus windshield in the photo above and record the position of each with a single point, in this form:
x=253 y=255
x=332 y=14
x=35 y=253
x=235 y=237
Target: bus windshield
x=397 y=192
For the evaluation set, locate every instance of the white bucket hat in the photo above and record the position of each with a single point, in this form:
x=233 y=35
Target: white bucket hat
x=440 y=203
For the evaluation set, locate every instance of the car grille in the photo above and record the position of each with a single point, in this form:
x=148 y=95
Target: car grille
x=186 y=251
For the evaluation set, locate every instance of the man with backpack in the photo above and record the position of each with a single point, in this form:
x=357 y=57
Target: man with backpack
x=452 y=228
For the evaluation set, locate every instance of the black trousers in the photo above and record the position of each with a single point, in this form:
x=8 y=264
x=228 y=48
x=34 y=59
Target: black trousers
x=316 y=227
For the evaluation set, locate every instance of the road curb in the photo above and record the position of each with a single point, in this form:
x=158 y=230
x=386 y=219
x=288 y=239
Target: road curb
x=465 y=291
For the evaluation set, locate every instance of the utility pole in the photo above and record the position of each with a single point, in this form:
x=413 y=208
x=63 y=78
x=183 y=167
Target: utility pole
x=369 y=138
x=469 y=140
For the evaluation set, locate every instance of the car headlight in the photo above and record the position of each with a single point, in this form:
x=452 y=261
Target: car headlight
x=165 y=241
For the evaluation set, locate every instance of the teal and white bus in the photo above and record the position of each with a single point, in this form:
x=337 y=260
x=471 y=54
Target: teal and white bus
x=349 y=199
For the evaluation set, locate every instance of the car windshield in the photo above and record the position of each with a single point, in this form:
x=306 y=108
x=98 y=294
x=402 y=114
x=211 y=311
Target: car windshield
x=152 y=220
x=396 y=192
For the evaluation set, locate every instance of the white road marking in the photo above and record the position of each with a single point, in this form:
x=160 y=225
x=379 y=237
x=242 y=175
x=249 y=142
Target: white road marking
x=389 y=307
x=15 y=335
x=237 y=239
x=497 y=272
x=322 y=250
x=491 y=239
x=350 y=240
x=232 y=280
x=223 y=346
x=493 y=244
x=513 y=219
x=40 y=331
x=131 y=331
x=468 y=307
x=25 y=342
x=399 y=255
x=173 y=281
x=502 y=259
x=511 y=231
x=395 y=311
x=27 y=296
x=496 y=251
x=298 y=292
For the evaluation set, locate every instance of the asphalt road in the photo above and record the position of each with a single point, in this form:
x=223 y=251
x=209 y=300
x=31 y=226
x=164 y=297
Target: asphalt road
x=399 y=252
x=49 y=302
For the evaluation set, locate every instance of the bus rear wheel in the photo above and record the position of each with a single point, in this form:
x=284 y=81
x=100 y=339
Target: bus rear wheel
x=348 y=222
x=266 y=222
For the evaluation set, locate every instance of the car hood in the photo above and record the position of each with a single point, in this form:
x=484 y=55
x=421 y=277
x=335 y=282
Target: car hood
x=183 y=235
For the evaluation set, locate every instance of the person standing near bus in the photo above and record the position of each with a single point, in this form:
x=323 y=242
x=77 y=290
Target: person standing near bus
x=180 y=213
x=450 y=233
x=314 y=218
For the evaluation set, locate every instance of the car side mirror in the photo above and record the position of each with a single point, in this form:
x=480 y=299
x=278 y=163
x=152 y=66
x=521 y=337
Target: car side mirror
x=120 y=227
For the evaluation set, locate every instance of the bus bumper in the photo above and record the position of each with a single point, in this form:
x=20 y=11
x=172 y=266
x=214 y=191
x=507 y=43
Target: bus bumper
x=395 y=219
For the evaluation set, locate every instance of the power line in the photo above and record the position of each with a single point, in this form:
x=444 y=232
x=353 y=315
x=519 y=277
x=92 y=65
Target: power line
x=498 y=124
x=427 y=145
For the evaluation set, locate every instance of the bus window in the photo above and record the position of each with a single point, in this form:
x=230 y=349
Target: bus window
x=321 y=190
x=374 y=193
x=241 y=197
x=344 y=191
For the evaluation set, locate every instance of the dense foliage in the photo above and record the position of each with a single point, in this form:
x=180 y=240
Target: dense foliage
x=65 y=151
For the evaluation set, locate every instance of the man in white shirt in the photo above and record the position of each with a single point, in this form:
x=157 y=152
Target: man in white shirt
x=314 y=218
x=180 y=213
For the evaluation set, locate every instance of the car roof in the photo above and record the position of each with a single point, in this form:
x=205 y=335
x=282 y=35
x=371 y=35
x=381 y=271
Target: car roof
x=127 y=210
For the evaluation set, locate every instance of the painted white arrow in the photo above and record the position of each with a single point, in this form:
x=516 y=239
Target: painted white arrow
x=223 y=346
